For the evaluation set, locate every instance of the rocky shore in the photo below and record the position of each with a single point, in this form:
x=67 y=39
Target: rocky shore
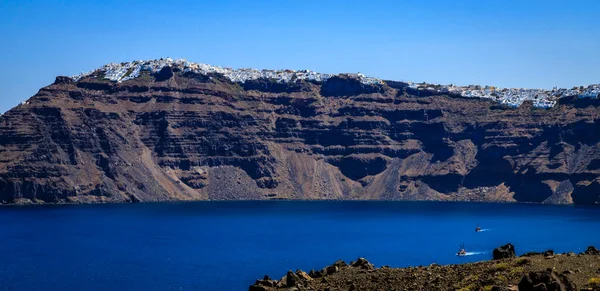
x=530 y=271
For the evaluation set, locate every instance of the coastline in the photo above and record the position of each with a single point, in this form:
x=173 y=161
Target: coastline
x=28 y=202
x=505 y=271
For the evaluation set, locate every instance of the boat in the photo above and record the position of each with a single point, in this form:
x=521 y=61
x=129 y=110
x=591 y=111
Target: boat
x=462 y=251
x=478 y=229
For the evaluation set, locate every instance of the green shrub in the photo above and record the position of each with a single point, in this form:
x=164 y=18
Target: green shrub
x=518 y=271
x=594 y=282
x=499 y=267
x=471 y=287
x=523 y=261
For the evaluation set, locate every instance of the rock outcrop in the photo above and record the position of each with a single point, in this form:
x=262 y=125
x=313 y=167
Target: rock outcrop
x=546 y=280
x=301 y=279
x=504 y=252
x=591 y=250
x=178 y=135
x=362 y=263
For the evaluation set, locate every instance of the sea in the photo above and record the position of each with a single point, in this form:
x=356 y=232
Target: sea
x=228 y=245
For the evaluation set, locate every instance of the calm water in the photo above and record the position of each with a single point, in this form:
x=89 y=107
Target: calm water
x=227 y=245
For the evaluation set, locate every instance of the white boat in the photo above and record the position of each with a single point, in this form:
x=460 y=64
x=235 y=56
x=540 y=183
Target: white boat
x=462 y=251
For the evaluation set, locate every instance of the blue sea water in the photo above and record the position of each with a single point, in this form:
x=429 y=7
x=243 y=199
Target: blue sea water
x=228 y=245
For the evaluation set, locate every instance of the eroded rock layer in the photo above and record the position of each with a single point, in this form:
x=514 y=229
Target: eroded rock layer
x=178 y=135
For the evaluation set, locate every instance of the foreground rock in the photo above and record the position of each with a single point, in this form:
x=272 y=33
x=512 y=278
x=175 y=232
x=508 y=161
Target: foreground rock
x=591 y=250
x=301 y=279
x=177 y=135
x=363 y=264
x=504 y=252
x=536 y=271
x=546 y=280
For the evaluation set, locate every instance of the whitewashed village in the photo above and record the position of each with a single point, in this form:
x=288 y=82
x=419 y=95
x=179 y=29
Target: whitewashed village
x=513 y=97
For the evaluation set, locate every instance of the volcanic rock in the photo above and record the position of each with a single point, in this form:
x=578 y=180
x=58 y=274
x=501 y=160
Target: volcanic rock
x=291 y=279
x=258 y=287
x=546 y=280
x=362 y=264
x=176 y=135
x=504 y=252
x=164 y=74
x=591 y=250
x=315 y=274
x=264 y=285
x=332 y=269
x=303 y=275
x=511 y=274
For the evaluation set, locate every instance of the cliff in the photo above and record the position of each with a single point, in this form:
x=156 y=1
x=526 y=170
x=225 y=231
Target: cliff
x=182 y=135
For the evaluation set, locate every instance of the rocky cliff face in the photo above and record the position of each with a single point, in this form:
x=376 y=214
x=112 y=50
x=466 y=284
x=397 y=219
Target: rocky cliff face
x=178 y=135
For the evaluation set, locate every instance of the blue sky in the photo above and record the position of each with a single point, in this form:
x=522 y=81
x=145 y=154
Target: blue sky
x=495 y=42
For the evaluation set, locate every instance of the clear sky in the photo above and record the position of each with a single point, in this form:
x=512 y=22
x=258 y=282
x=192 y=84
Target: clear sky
x=508 y=43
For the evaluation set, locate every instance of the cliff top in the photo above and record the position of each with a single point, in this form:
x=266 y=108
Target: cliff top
x=119 y=72
x=513 y=97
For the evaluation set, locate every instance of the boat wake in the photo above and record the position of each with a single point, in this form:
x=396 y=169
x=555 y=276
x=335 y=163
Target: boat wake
x=474 y=253
x=485 y=229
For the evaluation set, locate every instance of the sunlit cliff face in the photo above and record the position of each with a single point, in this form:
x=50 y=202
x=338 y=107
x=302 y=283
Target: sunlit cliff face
x=173 y=133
